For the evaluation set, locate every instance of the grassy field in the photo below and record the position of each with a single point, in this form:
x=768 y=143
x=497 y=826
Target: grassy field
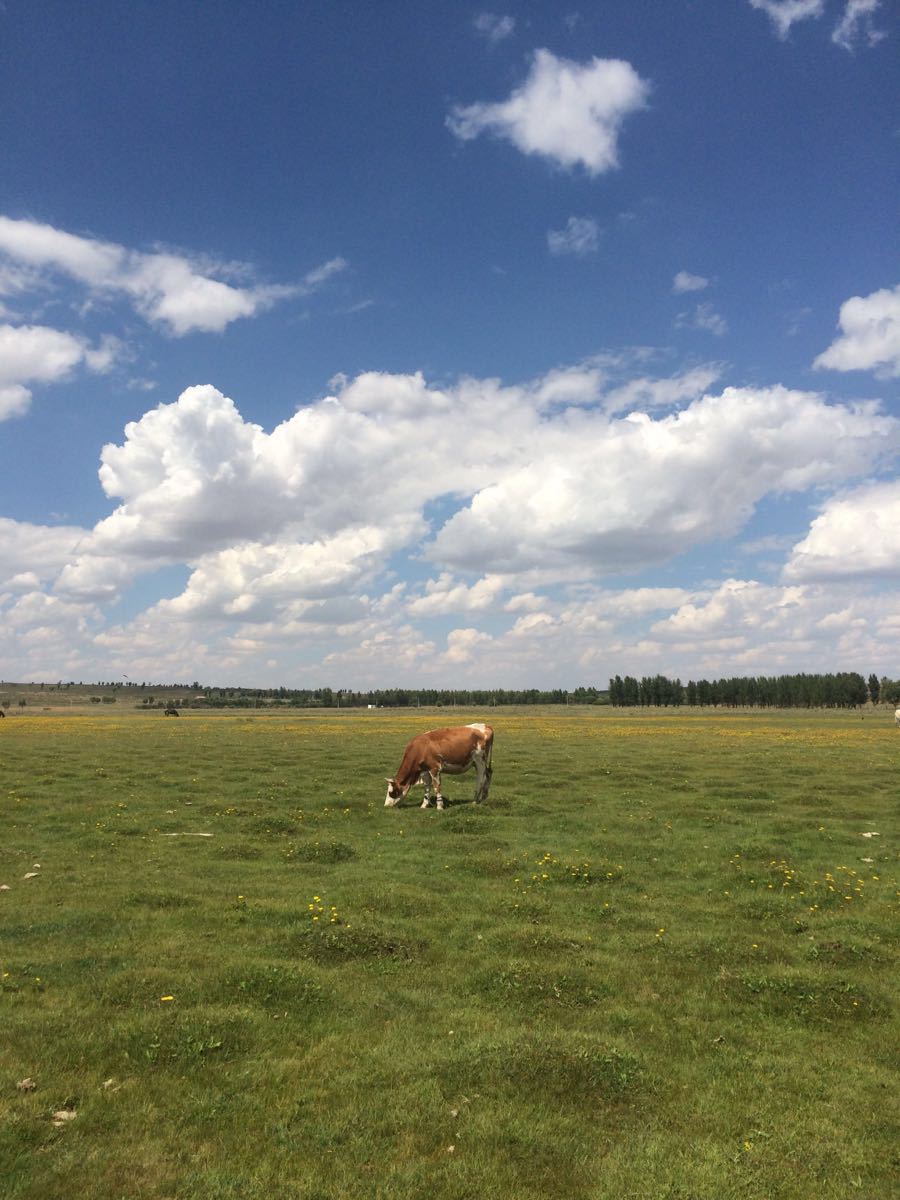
x=658 y=963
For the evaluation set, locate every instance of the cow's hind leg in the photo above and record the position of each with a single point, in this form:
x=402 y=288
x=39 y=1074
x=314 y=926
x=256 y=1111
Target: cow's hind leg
x=482 y=780
x=485 y=771
x=486 y=782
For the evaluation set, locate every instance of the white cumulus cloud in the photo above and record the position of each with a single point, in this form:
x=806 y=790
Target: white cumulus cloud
x=449 y=595
x=37 y=354
x=623 y=494
x=292 y=537
x=684 y=281
x=856 y=534
x=870 y=335
x=569 y=112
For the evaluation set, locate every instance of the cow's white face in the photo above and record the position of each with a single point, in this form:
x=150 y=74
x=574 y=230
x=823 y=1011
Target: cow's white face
x=394 y=794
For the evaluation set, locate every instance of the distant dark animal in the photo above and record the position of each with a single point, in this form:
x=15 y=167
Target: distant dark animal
x=171 y=712
x=2 y=713
x=443 y=750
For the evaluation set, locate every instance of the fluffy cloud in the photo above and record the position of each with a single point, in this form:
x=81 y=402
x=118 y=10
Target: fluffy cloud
x=38 y=354
x=870 y=335
x=34 y=554
x=623 y=494
x=167 y=289
x=448 y=595
x=684 y=281
x=568 y=112
x=315 y=507
x=386 y=657
x=291 y=536
x=748 y=627
x=856 y=534
x=857 y=24
x=784 y=13
x=260 y=581
x=581 y=236
x=48 y=637
x=464 y=644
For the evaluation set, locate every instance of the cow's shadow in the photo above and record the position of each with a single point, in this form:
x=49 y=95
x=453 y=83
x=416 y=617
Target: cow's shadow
x=457 y=802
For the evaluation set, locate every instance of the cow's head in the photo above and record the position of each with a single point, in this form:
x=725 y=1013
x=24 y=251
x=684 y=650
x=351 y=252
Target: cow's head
x=395 y=794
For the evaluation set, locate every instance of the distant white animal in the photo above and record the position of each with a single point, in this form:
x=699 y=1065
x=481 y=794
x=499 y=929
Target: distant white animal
x=451 y=750
x=897 y=717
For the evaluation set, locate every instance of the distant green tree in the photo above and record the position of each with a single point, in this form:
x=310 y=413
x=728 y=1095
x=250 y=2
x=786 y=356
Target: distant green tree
x=874 y=688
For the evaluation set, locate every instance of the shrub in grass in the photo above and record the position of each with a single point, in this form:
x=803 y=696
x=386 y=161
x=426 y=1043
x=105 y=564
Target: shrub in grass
x=275 y=826
x=185 y=1041
x=337 y=944
x=520 y=983
x=272 y=985
x=322 y=852
x=574 y=1069
x=160 y=900
x=467 y=820
x=806 y=998
x=242 y=851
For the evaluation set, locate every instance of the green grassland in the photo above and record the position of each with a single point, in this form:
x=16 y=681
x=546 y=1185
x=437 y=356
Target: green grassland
x=659 y=962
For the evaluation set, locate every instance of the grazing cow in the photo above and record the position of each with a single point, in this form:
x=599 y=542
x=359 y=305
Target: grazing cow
x=897 y=717
x=443 y=750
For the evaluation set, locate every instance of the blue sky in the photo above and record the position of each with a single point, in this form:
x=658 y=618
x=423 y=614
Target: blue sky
x=361 y=344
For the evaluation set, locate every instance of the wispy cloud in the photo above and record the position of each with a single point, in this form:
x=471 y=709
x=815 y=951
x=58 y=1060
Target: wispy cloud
x=581 y=236
x=494 y=27
x=181 y=294
x=857 y=25
x=785 y=13
x=704 y=317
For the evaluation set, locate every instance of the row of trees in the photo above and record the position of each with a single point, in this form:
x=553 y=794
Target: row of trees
x=845 y=689
x=384 y=697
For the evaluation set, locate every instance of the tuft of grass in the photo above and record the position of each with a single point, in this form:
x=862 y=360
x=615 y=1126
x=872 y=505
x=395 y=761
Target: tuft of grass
x=319 y=852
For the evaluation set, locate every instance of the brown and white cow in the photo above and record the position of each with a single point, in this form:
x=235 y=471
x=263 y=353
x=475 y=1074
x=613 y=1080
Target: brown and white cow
x=444 y=750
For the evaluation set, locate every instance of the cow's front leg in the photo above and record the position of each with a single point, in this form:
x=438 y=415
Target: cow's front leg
x=425 y=780
x=436 y=780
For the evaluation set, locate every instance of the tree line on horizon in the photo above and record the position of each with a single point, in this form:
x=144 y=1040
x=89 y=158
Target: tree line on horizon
x=846 y=689
x=843 y=689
